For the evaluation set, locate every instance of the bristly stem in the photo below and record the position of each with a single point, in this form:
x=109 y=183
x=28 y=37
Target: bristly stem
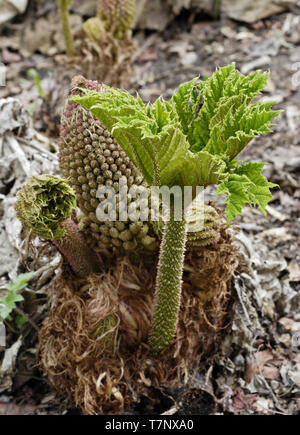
x=75 y=250
x=168 y=285
x=216 y=9
x=69 y=41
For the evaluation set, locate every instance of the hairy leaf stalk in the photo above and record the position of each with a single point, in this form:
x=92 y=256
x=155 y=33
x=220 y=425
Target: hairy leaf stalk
x=75 y=250
x=69 y=41
x=168 y=285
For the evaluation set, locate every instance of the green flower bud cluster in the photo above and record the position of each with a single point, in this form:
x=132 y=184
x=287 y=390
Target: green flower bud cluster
x=90 y=157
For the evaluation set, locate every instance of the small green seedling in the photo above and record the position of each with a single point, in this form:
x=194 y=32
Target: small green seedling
x=33 y=74
x=8 y=303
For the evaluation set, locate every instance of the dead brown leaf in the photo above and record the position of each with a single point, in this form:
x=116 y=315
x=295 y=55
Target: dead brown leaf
x=10 y=56
x=270 y=372
x=243 y=401
x=294 y=270
x=149 y=55
x=289 y=324
x=266 y=363
x=11 y=408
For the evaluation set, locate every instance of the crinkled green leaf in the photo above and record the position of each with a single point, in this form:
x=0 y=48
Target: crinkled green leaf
x=193 y=139
x=246 y=185
x=152 y=138
x=235 y=124
x=202 y=169
x=187 y=101
x=259 y=189
x=234 y=188
x=202 y=107
x=250 y=85
x=212 y=92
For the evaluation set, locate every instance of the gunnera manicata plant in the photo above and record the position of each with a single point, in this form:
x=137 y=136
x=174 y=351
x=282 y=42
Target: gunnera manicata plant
x=102 y=49
x=149 y=317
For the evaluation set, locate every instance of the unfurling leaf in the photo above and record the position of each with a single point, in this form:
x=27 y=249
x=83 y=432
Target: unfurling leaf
x=193 y=139
x=246 y=185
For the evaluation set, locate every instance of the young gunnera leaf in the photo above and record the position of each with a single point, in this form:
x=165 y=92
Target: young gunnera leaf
x=193 y=139
x=43 y=204
x=246 y=185
x=152 y=137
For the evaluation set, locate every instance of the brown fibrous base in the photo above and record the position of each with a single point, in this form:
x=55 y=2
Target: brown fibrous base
x=94 y=348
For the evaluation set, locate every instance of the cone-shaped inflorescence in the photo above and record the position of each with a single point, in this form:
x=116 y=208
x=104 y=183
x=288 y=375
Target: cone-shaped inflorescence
x=117 y=15
x=90 y=158
x=44 y=207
